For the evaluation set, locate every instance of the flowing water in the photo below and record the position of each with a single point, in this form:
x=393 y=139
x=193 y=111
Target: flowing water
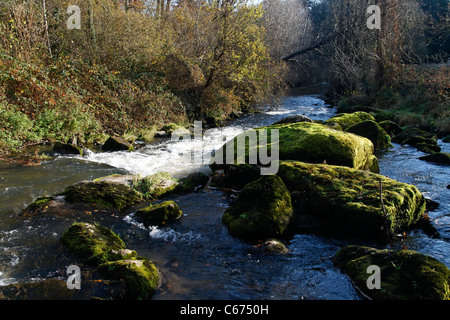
x=196 y=255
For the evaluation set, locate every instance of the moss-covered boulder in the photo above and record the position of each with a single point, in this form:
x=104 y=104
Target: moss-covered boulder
x=262 y=210
x=67 y=148
x=94 y=244
x=372 y=131
x=390 y=127
x=346 y=120
x=141 y=276
x=155 y=186
x=420 y=139
x=193 y=182
x=158 y=214
x=115 y=143
x=102 y=193
x=352 y=202
x=438 y=158
x=303 y=141
x=404 y=274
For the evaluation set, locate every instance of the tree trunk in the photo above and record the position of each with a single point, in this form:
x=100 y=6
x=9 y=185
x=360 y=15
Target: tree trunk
x=44 y=10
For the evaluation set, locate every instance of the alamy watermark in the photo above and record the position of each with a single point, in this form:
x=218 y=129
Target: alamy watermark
x=74 y=277
x=74 y=21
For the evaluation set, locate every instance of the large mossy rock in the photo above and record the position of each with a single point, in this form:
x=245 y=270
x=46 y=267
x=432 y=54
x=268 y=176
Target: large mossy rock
x=262 y=210
x=94 y=244
x=349 y=200
x=141 y=276
x=420 y=139
x=115 y=143
x=372 y=131
x=391 y=128
x=102 y=193
x=404 y=274
x=346 y=120
x=307 y=142
x=159 y=214
x=193 y=182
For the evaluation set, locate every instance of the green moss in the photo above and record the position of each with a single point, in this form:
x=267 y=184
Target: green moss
x=155 y=186
x=313 y=143
x=372 y=131
x=390 y=127
x=346 y=120
x=420 y=139
x=94 y=244
x=159 y=214
x=140 y=276
x=263 y=209
x=405 y=274
x=192 y=182
x=114 y=195
x=348 y=200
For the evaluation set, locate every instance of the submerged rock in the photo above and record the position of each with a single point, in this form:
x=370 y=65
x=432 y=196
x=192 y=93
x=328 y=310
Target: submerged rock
x=115 y=143
x=405 y=274
x=438 y=157
x=158 y=214
x=372 y=131
x=351 y=202
x=262 y=210
x=346 y=120
x=56 y=289
x=102 y=193
x=303 y=141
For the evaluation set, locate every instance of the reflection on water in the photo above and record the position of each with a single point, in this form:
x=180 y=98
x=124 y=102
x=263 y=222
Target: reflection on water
x=196 y=254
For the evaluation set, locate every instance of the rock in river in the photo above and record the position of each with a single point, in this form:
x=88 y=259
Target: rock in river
x=262 y=210
x=352 y=202
x=404 y=274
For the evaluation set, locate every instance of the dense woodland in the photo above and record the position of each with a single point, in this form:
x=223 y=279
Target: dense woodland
x=134 y=66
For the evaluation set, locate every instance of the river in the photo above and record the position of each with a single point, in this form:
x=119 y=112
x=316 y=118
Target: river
x=196 y=255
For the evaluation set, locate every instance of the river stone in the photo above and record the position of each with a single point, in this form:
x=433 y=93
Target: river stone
x=420 y=139
x=346 y=120
x=372 y=131
x=115 y=143
x=158 y=214
x=404 y=274
x=67 y=148
x=294 y=119
x=348 y=200
x=262 y=210
x=192 y=183
x=56 y=289
x=438 y=157
x=308 y=142
x=390 y=127
x=102 y=193
x=94 y=244
x=141 y=276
